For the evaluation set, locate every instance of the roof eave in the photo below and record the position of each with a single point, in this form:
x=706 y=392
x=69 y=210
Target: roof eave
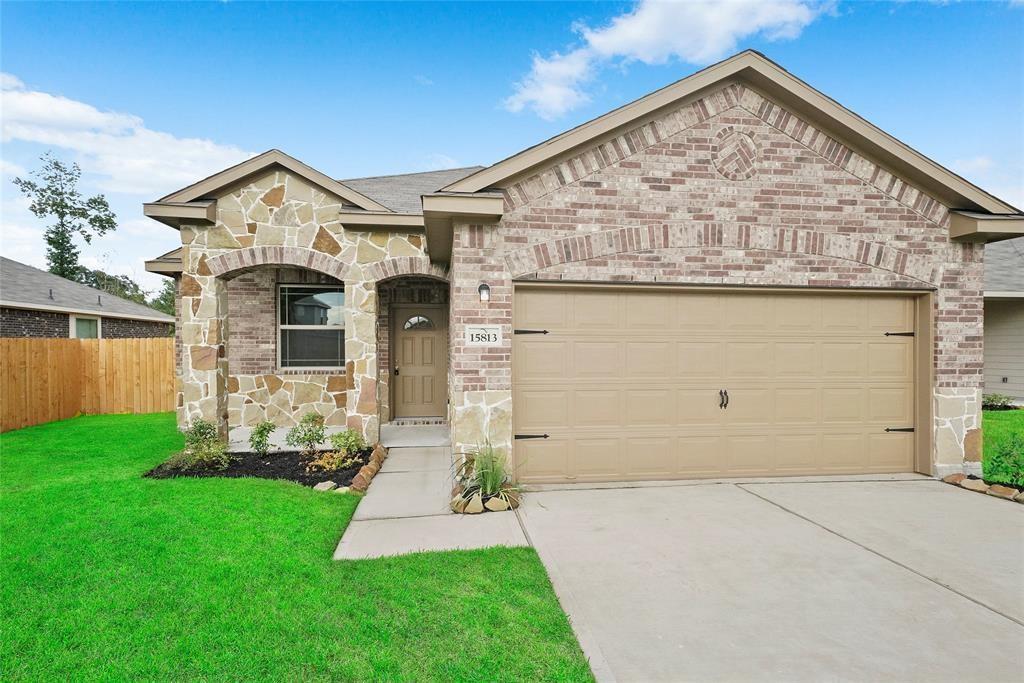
x=970 y=226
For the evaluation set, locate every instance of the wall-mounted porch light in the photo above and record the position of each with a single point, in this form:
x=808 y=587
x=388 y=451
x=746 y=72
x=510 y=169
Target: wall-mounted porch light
x=485 y=292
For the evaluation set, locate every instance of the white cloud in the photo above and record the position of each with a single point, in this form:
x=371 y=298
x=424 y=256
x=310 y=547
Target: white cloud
x=9 y=169
x=126 y=156
x=439 y=162
x=655 y=32
x=978 y=164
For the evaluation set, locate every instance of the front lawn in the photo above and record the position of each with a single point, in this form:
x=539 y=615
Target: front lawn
x=107 y=575
x=999 y=427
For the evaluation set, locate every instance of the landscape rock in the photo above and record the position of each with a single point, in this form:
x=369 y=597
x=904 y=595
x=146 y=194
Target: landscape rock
x=474 y=506
x=974 y=485
x=458 y=504
x=1019 y=498
x=325 y=486
x=359 y=482
x=496 y=504
x=342 y=489
x=954 y=478
x=1001 y=491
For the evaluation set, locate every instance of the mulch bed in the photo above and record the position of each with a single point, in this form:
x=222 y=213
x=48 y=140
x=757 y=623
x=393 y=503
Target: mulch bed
x=289 y=465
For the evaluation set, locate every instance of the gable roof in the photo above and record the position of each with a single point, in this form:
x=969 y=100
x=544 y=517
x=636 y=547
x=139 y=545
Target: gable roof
x=1004 y=267
x=402 y=192
x=756 y=70
x=274 y=157
x=22 y=286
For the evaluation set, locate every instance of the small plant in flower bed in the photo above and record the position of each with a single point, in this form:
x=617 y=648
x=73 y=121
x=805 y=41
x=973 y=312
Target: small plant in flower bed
x=350 y=450
x=259 y=438
x=482 y=483
x=308 y=434
x=997 y=402
x=203 y=449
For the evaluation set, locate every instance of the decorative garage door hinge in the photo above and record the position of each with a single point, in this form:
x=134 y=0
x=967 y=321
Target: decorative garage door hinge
x=899 y=429
x=899 y=334
x=529 y=331
x=531 y=436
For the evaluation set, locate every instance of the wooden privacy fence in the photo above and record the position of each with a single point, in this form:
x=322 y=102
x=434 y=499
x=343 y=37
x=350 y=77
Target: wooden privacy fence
x=52 y=379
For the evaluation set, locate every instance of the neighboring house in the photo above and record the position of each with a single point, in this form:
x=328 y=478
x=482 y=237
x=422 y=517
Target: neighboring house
x=1004 y=319
x=731 y=276
x=34 y=303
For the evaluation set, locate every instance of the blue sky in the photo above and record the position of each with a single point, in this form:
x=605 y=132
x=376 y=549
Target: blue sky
x=149 y=96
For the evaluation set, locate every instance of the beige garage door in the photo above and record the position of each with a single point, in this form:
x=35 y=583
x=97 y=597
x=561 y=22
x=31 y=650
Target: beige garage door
x=668 y=384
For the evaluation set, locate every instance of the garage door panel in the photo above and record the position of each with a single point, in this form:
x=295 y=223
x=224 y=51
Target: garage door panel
x=650 y=407
x=597 y=407
x=543 y=460
x=649 y=359
x=749 y=454
x=891 y=405
x=698 y=312
x=749 y=359
x=627 y=384
x=597 y=358
x=699 y=456
x=797 y=405
x=651 y=457
x=543 y=407
x=699 y=360
x=542 y=360
x=698 y=407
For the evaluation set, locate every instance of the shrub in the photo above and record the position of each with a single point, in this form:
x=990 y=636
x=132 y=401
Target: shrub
x=331 y=461
x=996 y=402
x=203 y=448
x=484 y=472
x=259 y=438
x=1006 y=466
x=349 y=441
x=308 y=434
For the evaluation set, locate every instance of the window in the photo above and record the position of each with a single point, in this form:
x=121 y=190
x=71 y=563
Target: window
x=311 y=326
x=418 y=322
x=85 y=328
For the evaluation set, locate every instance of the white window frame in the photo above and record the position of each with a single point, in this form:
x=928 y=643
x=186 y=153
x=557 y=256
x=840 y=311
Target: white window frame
x=72 y=332
x=280 y=327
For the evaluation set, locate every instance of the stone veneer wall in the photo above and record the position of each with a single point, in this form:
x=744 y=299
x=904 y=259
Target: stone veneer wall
x=731 y=189
x=279 y=219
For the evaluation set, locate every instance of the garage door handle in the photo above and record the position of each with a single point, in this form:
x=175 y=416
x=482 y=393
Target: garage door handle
x=531 y=436
x=899 y=429
x=721 y=398
x=726 y=399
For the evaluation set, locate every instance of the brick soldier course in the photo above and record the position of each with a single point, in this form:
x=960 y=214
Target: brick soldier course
x=723 y=186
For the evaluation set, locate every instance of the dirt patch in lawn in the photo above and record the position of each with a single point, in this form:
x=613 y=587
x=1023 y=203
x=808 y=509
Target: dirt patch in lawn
x=290 y=465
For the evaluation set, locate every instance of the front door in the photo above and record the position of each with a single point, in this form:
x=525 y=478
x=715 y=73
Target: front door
x=420 y=366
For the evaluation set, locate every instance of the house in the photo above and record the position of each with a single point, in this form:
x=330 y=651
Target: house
x=1004 y=319
x=731 y=276
x=35 y=303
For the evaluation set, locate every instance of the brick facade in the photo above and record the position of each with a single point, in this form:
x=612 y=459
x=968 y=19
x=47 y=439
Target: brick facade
x=115 y=328
x=729 y=189
x=17 y=322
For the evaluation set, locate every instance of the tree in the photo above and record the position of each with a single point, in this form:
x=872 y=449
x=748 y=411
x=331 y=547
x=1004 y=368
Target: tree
x=164 y=300
x=118 y=285
x=56 y=195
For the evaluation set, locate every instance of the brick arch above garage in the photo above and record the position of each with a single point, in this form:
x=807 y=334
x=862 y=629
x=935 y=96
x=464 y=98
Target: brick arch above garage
x=528 y=261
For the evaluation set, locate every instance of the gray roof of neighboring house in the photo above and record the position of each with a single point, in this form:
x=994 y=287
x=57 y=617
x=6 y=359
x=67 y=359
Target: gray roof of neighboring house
x=1004 y=266
x=23 y=286
x=401 y=193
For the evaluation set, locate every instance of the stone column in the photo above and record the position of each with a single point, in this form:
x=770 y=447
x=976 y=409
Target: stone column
x=361 y=356
x=204 y=365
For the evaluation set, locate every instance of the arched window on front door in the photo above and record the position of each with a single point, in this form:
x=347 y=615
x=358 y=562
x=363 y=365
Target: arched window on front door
x=418 y=322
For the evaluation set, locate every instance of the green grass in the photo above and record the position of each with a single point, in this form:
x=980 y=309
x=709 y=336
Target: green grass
x=106 y=575
x=997 y=427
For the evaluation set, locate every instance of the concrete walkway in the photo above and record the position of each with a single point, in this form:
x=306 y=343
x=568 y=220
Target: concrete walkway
x=406 y=510
x=871 y=580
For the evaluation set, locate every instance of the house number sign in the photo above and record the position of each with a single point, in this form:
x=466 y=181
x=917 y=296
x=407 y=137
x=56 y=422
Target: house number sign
x=483 y=335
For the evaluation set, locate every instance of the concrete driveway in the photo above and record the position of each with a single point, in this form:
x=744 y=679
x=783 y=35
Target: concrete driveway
x=909 y=580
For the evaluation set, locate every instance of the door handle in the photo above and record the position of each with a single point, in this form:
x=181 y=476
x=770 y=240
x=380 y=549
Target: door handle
x=396 y=372
x=726 y=399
